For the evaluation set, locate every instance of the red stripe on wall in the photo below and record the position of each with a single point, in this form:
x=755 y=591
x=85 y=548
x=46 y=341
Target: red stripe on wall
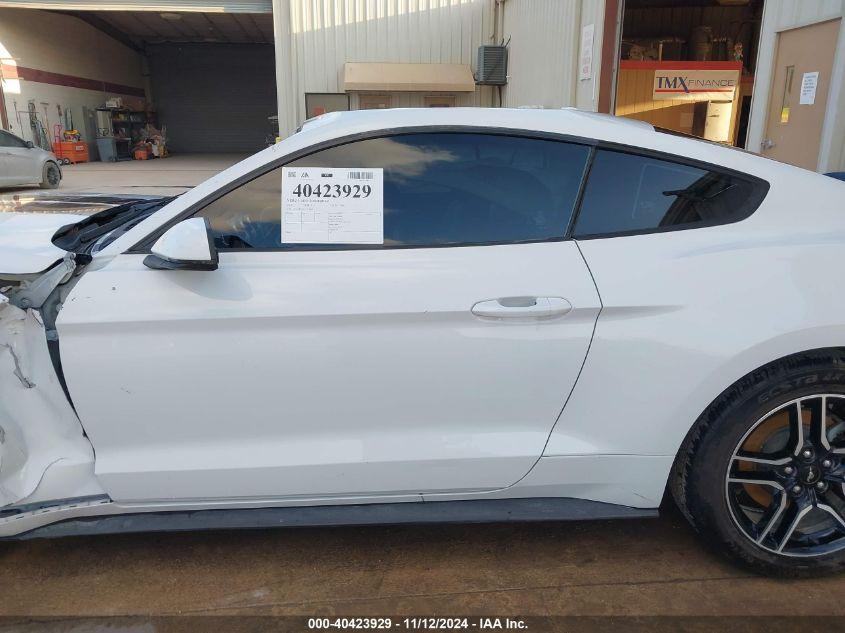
x=71 y=81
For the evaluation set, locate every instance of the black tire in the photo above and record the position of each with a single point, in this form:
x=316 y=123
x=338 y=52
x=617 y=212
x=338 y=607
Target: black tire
x=51 y=176
x=706 y=497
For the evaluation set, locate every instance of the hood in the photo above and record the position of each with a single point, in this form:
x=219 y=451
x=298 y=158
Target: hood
x=26 y=246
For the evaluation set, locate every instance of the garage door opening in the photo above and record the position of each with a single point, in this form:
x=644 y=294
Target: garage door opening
x=141 y=83
x=210 y=76
x=688 y=65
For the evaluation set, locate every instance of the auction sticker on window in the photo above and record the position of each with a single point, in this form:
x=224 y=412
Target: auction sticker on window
x=331 y=205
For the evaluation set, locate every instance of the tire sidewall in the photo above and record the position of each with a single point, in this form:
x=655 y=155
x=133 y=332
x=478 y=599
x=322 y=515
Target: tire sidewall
x=706 y=483
x=45 y=181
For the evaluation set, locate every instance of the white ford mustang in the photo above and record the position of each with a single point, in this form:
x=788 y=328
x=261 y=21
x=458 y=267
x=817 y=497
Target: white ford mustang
x=439 y=315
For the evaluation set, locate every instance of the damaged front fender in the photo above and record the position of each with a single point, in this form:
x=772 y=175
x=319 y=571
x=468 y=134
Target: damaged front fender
x=44 y=453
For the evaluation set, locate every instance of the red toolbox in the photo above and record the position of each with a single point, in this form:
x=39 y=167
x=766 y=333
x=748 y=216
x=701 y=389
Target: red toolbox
x=71 y=151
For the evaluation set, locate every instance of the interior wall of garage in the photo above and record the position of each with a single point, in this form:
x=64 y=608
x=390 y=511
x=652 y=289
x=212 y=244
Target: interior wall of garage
x=45 y=56
x=214 y=97
x=781 y=15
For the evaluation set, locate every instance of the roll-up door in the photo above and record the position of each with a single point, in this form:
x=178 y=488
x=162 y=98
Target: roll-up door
x=214 y=97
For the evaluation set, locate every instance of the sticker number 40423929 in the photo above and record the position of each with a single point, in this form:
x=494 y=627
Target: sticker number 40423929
x=331 y=205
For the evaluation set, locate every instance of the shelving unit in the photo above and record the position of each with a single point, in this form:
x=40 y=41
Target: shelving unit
x=118 y=129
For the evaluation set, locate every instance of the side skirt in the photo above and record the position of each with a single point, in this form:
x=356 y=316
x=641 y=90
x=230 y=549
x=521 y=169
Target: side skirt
x=475 y=511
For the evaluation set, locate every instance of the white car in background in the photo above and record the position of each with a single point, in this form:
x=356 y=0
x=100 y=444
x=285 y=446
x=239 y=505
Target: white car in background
x=21 y=163
x=439 y=315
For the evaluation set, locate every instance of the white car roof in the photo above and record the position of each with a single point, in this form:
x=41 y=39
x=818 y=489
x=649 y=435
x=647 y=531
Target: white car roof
x=565 y=121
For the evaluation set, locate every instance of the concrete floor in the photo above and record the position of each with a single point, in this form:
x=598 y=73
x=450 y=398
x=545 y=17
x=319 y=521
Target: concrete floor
x=622 y=568
x=167 y=176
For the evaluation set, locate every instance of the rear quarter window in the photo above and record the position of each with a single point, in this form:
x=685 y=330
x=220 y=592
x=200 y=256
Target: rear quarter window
x=629 y=193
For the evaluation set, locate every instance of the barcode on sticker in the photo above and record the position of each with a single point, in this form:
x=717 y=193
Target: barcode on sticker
x=360 y=175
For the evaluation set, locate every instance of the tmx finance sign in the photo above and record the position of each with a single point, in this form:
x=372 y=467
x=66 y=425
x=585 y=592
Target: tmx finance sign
x=695 y=85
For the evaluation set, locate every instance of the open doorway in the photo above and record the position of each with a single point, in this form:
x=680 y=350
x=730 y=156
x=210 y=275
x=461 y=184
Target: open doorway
x=687 y=65
x=118 y=85
x=210 y=75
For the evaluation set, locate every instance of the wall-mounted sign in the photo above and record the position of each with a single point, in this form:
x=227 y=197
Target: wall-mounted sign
x=695 y=85
x=585 y=61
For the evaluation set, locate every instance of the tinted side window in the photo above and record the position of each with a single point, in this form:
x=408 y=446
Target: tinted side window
x=627 y=193
x=7 y=140
x=439 y=189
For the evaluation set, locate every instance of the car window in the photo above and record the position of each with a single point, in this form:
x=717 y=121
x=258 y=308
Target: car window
x=439 y=189
x=627 y=192
x=9 y=140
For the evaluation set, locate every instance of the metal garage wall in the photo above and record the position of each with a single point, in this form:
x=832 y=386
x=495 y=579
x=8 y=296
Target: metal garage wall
x=542 y=66
x=214 y=97
x=316 y=39
x=543 y=62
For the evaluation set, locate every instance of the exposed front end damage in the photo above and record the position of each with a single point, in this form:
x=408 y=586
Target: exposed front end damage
x=46 y=460
x=44 y=454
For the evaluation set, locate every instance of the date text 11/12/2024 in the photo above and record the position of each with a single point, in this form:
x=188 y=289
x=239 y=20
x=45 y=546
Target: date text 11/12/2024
x=418 y=623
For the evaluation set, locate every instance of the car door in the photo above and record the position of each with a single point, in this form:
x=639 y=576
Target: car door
x=19 y=160
x=427 y=347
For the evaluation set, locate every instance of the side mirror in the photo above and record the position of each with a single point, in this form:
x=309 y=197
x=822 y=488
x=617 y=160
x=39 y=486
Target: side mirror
x=30 y=145
x=184 y=246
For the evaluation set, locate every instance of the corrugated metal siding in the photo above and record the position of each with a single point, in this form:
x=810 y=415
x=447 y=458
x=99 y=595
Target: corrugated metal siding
x=328 y=33
x=229 y=6
x=784 y=14
x=587 y=94
x=214 y=97
x=543 y=66
x=543 y=58
x=780 y=15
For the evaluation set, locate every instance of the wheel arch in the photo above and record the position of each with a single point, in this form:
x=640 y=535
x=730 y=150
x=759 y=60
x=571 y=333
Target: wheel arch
x=675 y=484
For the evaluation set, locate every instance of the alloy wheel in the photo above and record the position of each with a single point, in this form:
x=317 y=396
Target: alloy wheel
x=785 y=484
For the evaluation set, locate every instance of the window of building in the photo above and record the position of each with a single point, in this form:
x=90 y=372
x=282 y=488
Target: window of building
x=440 y=101
x=317 y=103
x=374 y=101
x=439 y=190
x=629 y=193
